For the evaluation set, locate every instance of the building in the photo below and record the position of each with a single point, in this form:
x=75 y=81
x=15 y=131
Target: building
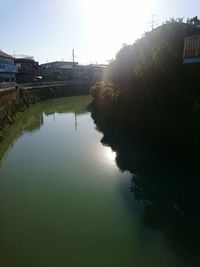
x=58 y=65
x=8 y=69
x=28 y=69
x=58 y=70
x=92 y=73
x=66 y=70
x=83 y=72
x=191 y=53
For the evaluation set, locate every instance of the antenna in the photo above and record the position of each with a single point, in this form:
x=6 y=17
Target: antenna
x=153 y=21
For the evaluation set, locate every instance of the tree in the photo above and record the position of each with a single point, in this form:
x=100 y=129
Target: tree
x=194 y=21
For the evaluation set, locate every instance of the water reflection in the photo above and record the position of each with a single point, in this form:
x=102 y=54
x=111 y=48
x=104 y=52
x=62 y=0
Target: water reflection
x=33 y=119
x=169 y=193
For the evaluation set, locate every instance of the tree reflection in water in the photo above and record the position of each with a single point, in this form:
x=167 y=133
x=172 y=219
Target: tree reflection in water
x=170 y=194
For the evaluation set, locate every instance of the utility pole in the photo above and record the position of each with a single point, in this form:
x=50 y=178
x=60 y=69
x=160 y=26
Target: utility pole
x=73 y=61
x=75 y=121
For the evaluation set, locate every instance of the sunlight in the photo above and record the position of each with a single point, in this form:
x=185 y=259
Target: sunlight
x=110 y=155
x=113 y=23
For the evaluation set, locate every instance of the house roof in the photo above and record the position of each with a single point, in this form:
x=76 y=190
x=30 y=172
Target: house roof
x=59 y=64
x=2 y=54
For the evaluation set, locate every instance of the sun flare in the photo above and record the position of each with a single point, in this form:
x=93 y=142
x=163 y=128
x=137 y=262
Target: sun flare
x=112 y=23
x=110 y=155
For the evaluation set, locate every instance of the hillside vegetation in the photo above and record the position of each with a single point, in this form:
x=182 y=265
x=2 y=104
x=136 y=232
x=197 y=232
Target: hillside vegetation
x=151 y=94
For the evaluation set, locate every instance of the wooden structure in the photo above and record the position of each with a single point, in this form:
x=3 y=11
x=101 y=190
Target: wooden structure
x=191 y=53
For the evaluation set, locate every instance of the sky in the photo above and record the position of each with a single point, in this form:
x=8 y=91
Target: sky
x=96 y=29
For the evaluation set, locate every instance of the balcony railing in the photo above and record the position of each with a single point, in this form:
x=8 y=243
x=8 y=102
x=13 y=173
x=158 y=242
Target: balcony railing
x=192 y=47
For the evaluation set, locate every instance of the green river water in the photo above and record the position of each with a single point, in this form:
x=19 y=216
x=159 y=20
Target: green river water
x=65 y=201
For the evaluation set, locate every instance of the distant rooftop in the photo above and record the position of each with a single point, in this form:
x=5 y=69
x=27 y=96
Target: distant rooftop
x=21 y=56
x=59 y=64
x=2 y=54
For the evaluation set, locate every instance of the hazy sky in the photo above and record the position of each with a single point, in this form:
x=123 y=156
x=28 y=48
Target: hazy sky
x=96 y=29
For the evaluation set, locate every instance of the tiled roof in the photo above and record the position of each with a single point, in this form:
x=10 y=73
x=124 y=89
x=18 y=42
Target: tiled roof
x=2 y=54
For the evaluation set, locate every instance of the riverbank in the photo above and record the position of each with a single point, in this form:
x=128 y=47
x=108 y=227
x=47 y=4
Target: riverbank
x=12 y=103
x=168 y=127
x=44 y=92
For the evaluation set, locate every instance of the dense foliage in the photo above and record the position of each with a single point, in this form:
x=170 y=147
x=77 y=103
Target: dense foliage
x=152 y=94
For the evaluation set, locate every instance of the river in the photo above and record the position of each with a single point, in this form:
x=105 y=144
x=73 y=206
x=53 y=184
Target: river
x=69 y=196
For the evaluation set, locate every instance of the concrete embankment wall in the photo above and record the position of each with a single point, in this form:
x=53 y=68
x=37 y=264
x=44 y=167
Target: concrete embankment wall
x=47 y=92
x=7 y=85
